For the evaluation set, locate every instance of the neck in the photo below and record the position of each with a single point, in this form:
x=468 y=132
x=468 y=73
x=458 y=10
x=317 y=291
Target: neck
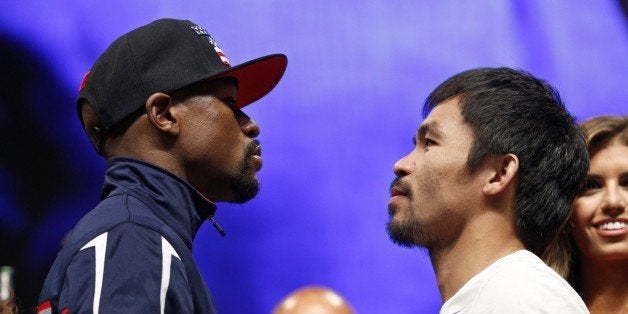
x=481 y=243
x=603 y=285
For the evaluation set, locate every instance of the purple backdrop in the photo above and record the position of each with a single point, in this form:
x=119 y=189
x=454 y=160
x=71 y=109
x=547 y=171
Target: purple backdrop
x=344 y=113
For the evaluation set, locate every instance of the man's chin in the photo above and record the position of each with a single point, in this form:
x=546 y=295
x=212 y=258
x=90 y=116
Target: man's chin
x=399 y=234
x=245 y=190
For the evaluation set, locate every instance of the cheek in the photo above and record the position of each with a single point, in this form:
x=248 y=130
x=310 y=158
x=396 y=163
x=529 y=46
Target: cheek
x=201 y=139
x=213 y=129
x=582 y=216
x=427 y=189
x=203 y=134
x=583 y=211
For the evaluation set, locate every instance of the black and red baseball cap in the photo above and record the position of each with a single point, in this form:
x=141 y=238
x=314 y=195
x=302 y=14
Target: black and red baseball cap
x=164 y=56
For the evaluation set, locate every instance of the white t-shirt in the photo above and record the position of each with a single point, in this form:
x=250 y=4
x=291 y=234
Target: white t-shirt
x=516 y=283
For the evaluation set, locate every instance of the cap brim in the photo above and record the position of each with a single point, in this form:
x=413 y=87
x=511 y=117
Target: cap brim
x=257 y=77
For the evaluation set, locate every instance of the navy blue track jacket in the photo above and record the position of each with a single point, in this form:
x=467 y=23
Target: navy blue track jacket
x=132 y=253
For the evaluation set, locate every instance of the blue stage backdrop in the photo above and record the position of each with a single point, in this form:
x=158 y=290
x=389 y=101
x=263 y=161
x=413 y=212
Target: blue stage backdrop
x=345 y=111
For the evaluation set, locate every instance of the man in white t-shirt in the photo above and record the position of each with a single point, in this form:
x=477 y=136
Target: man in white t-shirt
x=496 y=164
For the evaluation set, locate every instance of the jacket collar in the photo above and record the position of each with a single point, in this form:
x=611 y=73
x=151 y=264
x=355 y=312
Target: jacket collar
x=175 y=201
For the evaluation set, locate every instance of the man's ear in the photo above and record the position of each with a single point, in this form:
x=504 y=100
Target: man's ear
x=159 y=109
x=504 y=170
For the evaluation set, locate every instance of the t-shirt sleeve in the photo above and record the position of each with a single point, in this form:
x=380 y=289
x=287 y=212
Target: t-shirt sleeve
x=129 y=269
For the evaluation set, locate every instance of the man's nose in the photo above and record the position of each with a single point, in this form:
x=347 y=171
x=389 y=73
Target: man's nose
x=250 y=128
x=403 y=166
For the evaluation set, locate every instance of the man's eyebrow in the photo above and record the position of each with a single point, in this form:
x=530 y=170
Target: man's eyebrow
x=434 y=127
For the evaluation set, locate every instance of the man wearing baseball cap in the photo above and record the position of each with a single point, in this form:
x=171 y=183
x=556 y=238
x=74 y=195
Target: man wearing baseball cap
x=163 y=106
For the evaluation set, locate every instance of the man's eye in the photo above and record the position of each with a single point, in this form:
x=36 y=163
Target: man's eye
x=231 y=103
x=427 y=142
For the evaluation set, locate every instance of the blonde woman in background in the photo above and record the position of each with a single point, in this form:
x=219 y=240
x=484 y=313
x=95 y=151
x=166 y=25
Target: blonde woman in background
x=599 y=257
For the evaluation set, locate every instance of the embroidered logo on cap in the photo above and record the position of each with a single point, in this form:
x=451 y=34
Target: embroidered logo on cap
x=84 y=81
x=202 y=32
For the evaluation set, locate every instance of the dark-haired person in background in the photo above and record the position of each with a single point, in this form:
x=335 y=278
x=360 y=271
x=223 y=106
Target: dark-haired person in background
x=599 y=255
x=496 y=165
x=162 y=105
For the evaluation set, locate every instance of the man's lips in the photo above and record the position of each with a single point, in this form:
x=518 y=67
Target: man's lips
x=396 y=194
x=256 y=158
x=396 y=191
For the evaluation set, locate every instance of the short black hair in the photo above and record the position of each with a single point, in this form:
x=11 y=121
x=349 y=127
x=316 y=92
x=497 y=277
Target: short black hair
x=511 y=111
